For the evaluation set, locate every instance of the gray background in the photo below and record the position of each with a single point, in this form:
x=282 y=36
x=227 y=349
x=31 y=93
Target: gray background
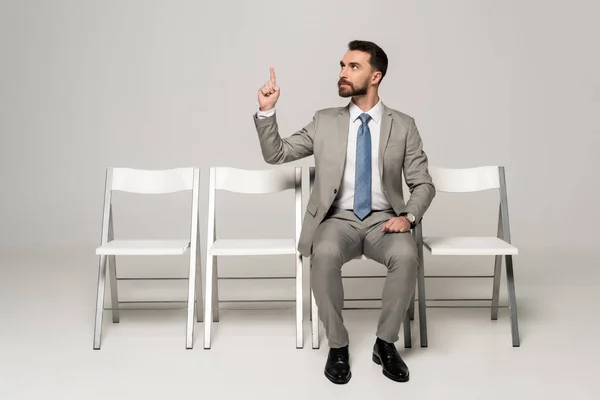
x=88 y=85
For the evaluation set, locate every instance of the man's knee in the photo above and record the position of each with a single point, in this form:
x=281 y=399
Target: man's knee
x=327 y=250
x=403 y=257
x=326 y=257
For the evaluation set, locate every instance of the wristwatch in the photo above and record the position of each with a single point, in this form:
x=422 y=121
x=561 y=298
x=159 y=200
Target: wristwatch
x=411 y=218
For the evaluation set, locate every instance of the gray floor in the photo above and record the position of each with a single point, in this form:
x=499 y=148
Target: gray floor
x=47 y=301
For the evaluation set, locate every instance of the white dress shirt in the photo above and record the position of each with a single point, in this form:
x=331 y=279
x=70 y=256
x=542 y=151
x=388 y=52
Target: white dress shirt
x=345 y=196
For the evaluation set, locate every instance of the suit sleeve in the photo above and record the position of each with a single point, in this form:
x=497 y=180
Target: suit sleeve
x=416 y=174
x=278 y=150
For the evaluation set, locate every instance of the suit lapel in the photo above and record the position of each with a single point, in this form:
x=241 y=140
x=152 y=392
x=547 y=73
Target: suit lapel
x=384 y=135
x=343 y=122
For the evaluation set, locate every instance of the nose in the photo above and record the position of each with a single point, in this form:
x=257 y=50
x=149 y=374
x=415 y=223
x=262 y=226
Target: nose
x=343 y=74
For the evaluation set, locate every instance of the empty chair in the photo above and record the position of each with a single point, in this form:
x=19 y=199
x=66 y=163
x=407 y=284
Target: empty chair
x=474 y=180
x=314 y=312
x=251 y=182
x=148 y=182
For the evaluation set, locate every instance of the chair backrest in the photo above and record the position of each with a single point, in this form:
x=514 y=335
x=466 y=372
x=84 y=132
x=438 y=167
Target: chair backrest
x=256 y=181
x=246 y=181
x=476 y=179
x=144 y=181
x=152 y=181
x=467 y=179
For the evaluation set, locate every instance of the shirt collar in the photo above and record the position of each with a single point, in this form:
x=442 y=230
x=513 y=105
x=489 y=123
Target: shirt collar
x=374 y=112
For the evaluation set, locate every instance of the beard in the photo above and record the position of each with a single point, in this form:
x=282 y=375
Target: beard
x=351 y=90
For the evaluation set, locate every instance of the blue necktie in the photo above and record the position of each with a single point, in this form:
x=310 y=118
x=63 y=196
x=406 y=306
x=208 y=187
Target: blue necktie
x=362 y=178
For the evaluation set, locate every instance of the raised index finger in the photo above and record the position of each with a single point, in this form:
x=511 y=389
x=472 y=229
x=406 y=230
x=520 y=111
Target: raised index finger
x=273 y=76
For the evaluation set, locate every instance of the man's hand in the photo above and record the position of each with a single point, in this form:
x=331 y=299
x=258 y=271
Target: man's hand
x=268 y=93
x=396 y=224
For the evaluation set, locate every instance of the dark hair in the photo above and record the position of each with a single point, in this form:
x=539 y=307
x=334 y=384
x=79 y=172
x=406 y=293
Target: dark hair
x=378 y=60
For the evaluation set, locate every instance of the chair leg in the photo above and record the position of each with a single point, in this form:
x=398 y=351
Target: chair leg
x=208 y=303
x=215 y=292
x=407 y=333
x=189 y=336
x=310 y=303
x=114 y=297
x=417 y=237
x=411 y=308
x=496 y=286
x=199 y=290
x=315 y=321
x=512 y=302
x=100 y=302
x=422 y=305
x=299 y=303
x=112 y=271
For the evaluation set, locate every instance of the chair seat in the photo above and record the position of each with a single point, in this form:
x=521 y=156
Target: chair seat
x=143 y=247
x=468 y=246
x=248 y=247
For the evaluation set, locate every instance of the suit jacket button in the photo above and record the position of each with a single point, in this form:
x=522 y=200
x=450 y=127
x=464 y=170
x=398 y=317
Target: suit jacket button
x=335 y=191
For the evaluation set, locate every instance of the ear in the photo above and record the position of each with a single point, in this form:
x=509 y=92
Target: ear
x=376 y=77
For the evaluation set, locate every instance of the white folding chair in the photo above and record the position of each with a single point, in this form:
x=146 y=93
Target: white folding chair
x=314 y=311
x=148 y=182
x=465 y=181
x=251 y=182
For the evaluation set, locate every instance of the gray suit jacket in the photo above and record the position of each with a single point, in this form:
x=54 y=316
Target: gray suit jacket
x=326 y=137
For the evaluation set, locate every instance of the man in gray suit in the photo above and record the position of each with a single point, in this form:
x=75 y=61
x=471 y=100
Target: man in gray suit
x=357 y=205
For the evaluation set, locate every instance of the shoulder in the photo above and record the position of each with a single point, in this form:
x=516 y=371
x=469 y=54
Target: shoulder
x=399 y=117
x=330 y=112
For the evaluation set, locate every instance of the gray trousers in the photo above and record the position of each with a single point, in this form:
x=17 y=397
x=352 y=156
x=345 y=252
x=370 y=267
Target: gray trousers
x=342 y=237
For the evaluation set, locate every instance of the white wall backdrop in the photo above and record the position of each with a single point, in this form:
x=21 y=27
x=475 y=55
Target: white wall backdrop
x=154 y=84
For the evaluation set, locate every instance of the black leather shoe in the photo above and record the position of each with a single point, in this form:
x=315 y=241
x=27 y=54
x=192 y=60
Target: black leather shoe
x=386 y=355
x=337 y=369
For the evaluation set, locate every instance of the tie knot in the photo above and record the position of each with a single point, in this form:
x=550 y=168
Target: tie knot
x=365 y=118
